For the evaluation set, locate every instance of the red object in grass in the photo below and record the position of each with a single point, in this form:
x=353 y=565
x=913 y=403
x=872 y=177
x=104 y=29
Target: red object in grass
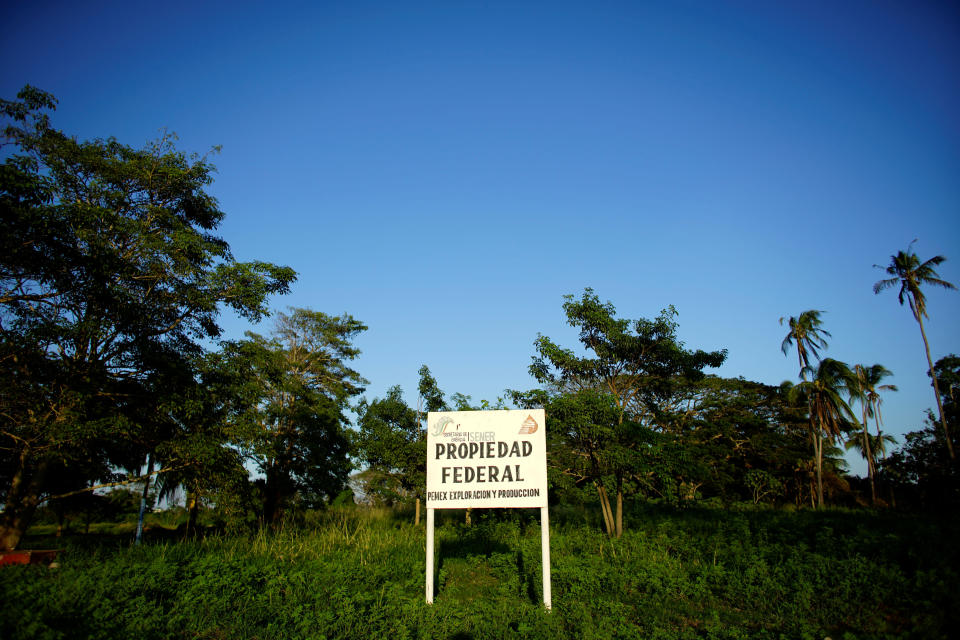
x=28 y=556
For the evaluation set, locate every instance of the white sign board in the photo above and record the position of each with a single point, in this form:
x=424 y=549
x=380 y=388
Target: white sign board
x=486 y=459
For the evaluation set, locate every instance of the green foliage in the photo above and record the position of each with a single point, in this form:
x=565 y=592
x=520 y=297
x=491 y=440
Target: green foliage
x=695 y=573
x=642 y=367
x=111 y=279
x=293 y=426
x=947 y=370
x=911 y=275
x=430 y=393
x=582 y=433
x=808 y=333
x=638 y=362
x=763 y=485
x=921 y=474
x=392 y=442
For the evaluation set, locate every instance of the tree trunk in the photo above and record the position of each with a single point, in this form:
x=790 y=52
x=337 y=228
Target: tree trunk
x=605 y=508
x=936 y=387
x=193 y=506
x=143 y=500
x=619 y=506
x=416 y=519
x=815 y=437
x=272 y=498
x=818 y=446
x=468 y=517
x=869 y=456
x=23 y=496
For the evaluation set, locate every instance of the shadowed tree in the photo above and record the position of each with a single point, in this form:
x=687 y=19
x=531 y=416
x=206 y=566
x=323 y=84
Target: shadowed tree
x=867 y=393
x=807 y=332
x=948 y=377
x=830 y=415
x=111 y=278
x=868 y=445
x=297 y=424
x=393 y=443
x=911 y=275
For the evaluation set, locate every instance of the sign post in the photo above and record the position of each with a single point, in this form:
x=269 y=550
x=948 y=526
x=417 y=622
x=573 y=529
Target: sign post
x=487 y=459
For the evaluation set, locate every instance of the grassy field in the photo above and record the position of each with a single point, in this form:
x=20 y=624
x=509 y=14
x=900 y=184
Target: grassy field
x=352 y=573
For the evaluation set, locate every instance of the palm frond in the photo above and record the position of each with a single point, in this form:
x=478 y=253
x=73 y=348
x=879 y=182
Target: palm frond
x=885 y=284
x=937 y=282
x=787 y=343
x=935 y=261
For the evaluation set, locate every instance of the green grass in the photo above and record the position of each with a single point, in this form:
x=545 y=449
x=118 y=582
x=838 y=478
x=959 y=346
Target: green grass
x=358 y=574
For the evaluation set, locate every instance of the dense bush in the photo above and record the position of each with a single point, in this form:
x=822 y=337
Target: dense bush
x=696 y=573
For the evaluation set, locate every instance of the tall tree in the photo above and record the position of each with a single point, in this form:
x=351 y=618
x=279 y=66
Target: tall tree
x=830 y=415
x=806 y=330
x=207 y=419
x=867 y=392
x=581 y=440
x=297 y=421
x=392 y=442
x=911 y=275
x=110 y=274
x=429 y=396
x=639 y=363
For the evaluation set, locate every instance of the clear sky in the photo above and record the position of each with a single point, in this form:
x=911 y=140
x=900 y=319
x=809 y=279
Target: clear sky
x=446 y=172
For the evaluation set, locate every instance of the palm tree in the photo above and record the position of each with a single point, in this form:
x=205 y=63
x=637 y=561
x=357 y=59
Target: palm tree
x=878 y=444
x=807 y=332
x=867 y=392
x=875 y=444
x=830 y=415
x=910 y=274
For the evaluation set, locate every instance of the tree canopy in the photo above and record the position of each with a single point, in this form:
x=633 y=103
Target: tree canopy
x=112 y=278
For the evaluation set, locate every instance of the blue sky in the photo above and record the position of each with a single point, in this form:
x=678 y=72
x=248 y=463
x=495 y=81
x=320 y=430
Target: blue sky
x=446 y=172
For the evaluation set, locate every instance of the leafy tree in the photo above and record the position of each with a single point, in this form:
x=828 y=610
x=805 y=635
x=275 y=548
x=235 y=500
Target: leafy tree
x=829 y=414
x=947 y=370
x=296 y=423
x=737 y=429
x=207 y=413
x=921 y=473
x=111 y=275
x=639 y=363
x=582 y=430
x=911 y=275
x=763 y=485
x=392 y=442
x=430 y=396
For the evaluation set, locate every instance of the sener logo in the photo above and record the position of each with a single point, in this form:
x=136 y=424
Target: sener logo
x=441 y=425
x=529 y=426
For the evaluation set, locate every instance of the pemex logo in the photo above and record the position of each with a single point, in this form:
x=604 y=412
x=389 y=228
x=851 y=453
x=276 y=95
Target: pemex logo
x=529 y=426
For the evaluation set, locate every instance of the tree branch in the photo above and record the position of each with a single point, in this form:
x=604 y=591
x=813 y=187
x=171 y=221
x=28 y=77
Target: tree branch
x=118 y=483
